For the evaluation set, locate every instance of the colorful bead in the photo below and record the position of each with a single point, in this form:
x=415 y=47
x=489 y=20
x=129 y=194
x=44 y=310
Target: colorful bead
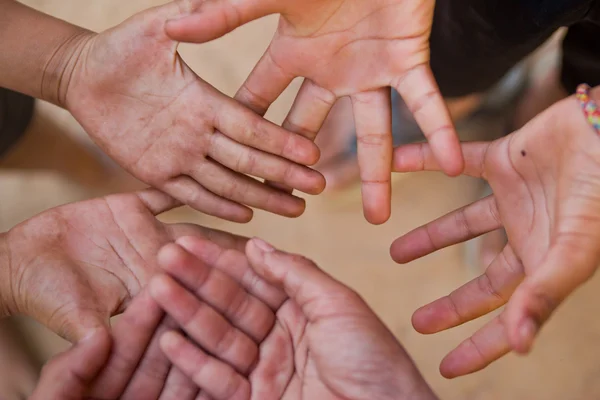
x=589 y=106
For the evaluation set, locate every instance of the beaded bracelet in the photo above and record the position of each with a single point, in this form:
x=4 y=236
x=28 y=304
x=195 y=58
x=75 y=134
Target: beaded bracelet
x=589 y=106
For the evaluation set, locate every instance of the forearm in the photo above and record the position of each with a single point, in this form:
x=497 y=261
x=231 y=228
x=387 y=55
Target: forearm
x=37 y=51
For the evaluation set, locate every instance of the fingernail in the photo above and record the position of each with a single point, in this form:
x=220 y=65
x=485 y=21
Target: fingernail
x=264 y=246
x=527 y=332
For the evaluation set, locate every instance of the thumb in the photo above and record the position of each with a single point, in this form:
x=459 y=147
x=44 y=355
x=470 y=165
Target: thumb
x=67 y=376
x=564 y=269
x=211 y=19
x=316 y=293
x=77 y=324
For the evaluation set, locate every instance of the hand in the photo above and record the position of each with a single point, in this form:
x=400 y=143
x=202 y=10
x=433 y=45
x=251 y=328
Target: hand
x=343 y=48
x=546 y=183
x=133 y=368
x=140 y=102
x=324 y=342
x=67 y=376
x=75 y=266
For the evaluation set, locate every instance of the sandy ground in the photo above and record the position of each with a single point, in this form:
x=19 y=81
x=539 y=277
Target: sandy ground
x=565 y=363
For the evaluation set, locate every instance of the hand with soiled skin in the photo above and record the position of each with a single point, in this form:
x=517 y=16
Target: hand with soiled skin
x=546 y=195
x=323 y=342
x=343 y=48
x=125 y=363
x=140 y=102
x=73 y=267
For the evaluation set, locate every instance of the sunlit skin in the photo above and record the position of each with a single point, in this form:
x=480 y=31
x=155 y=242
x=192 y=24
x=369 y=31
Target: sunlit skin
x=140 y=102
x=311 y=337
x=546 y=183
x=75 y=266
x=343 y=48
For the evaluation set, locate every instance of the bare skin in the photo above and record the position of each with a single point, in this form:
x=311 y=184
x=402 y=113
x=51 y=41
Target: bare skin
x=323 y=342
x=73 y=267
x=334 y=45
x=546 y=196
x=138 y=100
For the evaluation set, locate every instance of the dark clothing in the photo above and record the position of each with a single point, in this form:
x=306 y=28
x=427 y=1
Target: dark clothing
x=474 y=43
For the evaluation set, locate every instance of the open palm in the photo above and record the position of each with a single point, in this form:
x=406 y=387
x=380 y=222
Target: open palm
x=342 y=48
x=545 y=178
x=142 y=104
x=322 y=342
x=75 y=266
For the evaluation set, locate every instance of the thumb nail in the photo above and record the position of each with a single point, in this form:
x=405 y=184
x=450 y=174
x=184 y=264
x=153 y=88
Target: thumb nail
x=262 y=245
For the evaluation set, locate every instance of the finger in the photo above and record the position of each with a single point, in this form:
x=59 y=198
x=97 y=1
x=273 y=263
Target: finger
x=417 y=157
x=219 y=290
x=223 y=239
x=565 y=268
x=157 y=202
x=204 y=325
x=153 y=369
x=478 y=297
x=422 y=96
x=236 y=265
x=247 y=160
x=178 y=386
x=194 y=195
x=68 y=375
x=245 y=190
x=202 y=21
x=474 y=354
x=310 y=109
x=204 y=396
x=456 y=227
x=307 y=115
x=131 y=335
x=315 y=292
x=213 y=376
x=373 y=119
x=264 y=85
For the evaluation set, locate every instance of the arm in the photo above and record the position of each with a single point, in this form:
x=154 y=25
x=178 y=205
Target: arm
x=37 y=51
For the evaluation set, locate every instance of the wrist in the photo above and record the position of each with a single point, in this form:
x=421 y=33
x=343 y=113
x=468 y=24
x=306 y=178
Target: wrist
x=33 y=48
x=62 y=65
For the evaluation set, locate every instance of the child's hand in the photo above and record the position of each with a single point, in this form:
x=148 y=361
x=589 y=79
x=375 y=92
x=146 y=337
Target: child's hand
x=148 y=110
x=546 y=183
x=343 y=48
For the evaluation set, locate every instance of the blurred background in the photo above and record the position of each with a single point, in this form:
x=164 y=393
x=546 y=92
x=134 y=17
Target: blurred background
x=55 y=164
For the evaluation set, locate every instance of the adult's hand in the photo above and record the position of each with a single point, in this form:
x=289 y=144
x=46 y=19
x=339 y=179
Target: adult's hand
x=140 y=102
x=68 y=375
x=343 y=48
x=324 y=343
x=125 y=364
x=73 y=267
x=546 y=183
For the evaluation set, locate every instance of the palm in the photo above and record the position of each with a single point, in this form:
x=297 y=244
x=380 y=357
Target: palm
x=343 y=48
x=546 y=197
x=90 y=258
x=319 y=358
x=149 y=111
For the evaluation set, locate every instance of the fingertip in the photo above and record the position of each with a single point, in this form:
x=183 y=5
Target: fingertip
x=169 y=341
x=376 y=204
x=448 y=153
x=522 y=338
x=397 y=253
x=160 y=287
x=241 y=216
x=168 y=255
